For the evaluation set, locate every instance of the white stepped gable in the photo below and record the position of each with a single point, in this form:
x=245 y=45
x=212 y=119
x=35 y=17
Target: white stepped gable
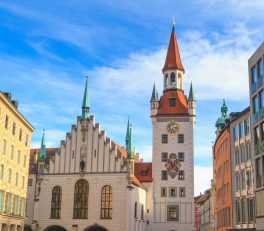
x=87 y=143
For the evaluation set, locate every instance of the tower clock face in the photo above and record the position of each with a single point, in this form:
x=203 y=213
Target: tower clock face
x=173 y=127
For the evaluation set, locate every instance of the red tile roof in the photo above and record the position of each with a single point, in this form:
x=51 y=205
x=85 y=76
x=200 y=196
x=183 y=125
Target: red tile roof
x=121 y=150
x=181 y=106
x=147 y=169
x=202 y=199
x=32 y=164
x=173 y=58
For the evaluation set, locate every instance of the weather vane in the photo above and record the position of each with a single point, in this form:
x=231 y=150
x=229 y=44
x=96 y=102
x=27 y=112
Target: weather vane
x=173 y=22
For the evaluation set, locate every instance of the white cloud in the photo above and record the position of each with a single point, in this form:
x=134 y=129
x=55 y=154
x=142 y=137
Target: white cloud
x=202 y=179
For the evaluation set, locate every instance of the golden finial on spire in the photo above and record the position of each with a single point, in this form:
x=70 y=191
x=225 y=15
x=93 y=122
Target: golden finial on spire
x=173 y=22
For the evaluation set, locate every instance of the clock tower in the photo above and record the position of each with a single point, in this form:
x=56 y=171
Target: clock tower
x=173 y=118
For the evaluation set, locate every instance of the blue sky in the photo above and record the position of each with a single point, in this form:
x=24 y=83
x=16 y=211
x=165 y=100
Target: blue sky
x=47 y=49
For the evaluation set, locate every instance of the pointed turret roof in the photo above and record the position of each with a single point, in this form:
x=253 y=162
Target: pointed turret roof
x=86 y=102
x=191 y=94
x=42 y=153
x=130 y=148
x=173 y=58
x=154 y=96
x=220 y=123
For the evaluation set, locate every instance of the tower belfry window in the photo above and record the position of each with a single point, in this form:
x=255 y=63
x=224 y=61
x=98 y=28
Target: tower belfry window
x=172 y=78
x=166 y=79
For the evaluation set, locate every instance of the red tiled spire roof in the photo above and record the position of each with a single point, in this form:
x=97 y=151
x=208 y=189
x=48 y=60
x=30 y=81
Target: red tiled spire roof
x=173 y=58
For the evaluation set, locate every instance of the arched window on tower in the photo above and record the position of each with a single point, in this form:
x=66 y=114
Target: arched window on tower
x=166 y=80
x=180 y=80
x=172 y=78
x=56 y=203
x=80 y=207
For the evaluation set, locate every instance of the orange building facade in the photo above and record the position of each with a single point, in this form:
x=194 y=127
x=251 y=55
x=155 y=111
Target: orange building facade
x=223 y=180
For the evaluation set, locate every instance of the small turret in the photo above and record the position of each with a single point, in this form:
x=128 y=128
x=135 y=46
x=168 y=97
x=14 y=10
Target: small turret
x=154 y=101
x=86 y=103
x=192 y=104
x=220 y=123
x=130 y=148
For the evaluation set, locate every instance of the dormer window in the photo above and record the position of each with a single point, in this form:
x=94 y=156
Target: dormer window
x=172 y=78
x=172 y=101
x=144 y=172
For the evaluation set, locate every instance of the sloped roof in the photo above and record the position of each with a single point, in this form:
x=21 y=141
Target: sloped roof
x=143 y=172
x=181 y=105
x=173 y=58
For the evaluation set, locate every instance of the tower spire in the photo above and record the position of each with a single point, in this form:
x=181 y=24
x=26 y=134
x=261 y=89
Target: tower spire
x=191 y=96
x=86 y=102
x=43 y=154
x=127 y=133
x=154 y=95
x=129 y=143
x=173 y=58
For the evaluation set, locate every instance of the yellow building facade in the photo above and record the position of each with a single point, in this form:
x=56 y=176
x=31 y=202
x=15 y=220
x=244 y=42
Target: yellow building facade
x=15 y=140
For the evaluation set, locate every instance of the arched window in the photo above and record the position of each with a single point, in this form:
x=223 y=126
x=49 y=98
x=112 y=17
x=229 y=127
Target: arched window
x=166 y=80
x=106 y=202
x=80 y=207
x=56 y=202
x=172 y=78
x=135 y=210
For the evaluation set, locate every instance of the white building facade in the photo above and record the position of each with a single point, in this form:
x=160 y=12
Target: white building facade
x=91 y=183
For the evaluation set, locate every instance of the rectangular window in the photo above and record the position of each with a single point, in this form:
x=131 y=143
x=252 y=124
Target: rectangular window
x=173 y=192
x=164 y=175
x=172 y=102
x=182 y=192
x=243 y=181
x=246 y=126
x=6 y=122
x=243 y=208
x=237 y=182
x=255 y=104
x=164 y=156
x=12 y=152
x=256 y=135
x=238 y=214
x=20 y=134
x=164 y=138
x=163 y=191
x=22 y=206
x=181 y=156
x=16 y=202
x=260 y=69
x=251 y=215
x=25 y=161
x=241 y=130
x=237 y=157
x=2 y=198
x=1 y=172
x=8 y=203
x=26 y=140
x=261 y=99
x=173 y=212
x=181 y=174
x=9 y=175
x=235 y=134
x=249 y=179
x=16 y=179
x=4 y=147
x=30 y=181
x=261 y=133
x=18 y=157
x=14 y=129
x=253 y=75
x=180 y=138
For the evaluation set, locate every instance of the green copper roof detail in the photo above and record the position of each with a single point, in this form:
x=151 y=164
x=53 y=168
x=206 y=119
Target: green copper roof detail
x=154 y=96
x=191 y=94
x=224 y=108
x=86 y=102
x=130 y=148
x=42 y=153
x=220 y=123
